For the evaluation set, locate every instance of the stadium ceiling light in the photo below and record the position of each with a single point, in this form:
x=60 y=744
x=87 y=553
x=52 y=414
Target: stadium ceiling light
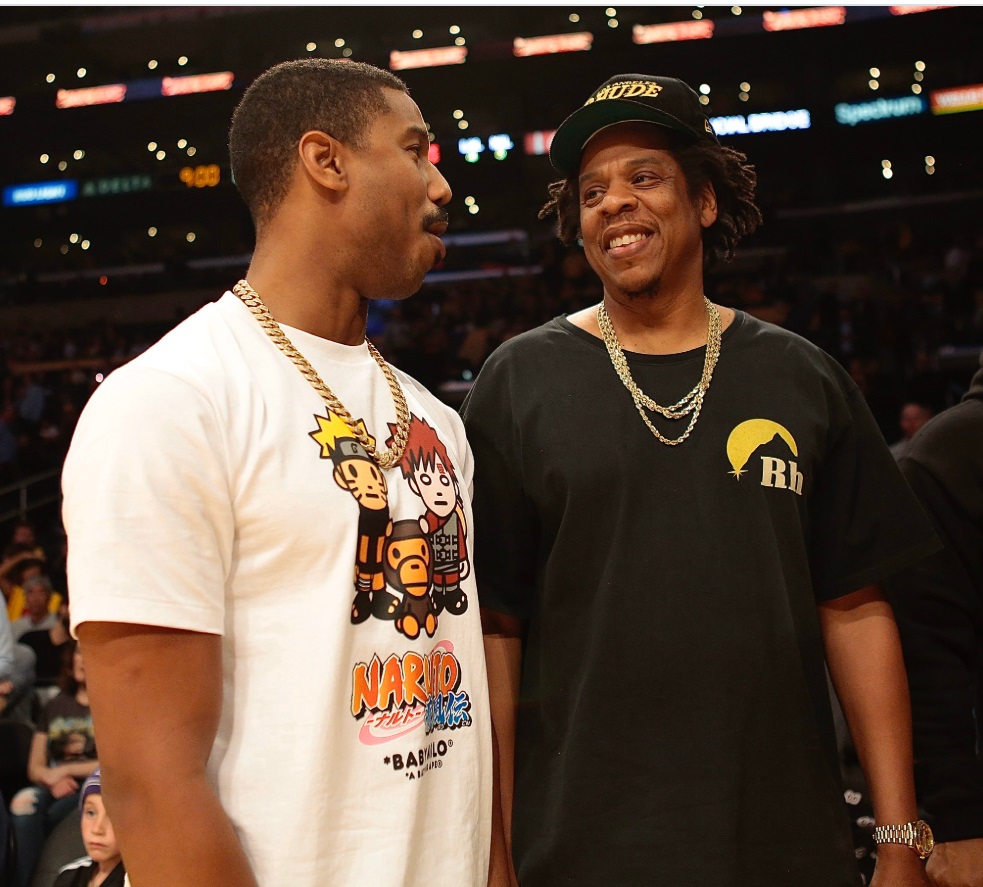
x=160 y=155
x=346 y=52
x=151 y=146
x=152 y=64
x=50 y=78
x=574 y=17
x=745 y=86
x=339 y=43
x=919 y=76
x=63 y=166
x=612 y=23
x=704 y=100
x=44 y=158
x=151 y=231
x=919 y=66
x=929 y=160
x=37 y=243
x=81 y=72
x=74 y=238
x=192 y=151
x=886 y=164
x=916 y=88
x=454 y=29
x=182 y=61
x=736 y=10
x=462 y=124
x=190 y=237
x=610 y=12
x=79 y=154
x=64 y=249
x=697 y=14
x=875 y=72
x=85 y=244
x=311 y=46
x=459 y=41
x=458 y=114
x=705 y=88
x=873 y=84
x=417 y=34
x=182 y=143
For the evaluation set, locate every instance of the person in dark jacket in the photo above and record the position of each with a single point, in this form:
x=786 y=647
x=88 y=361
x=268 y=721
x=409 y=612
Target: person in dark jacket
x=938 y=604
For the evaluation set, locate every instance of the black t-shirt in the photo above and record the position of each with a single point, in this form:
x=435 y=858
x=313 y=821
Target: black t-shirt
x=78 y=874
x=68 y=725
x=674 y=723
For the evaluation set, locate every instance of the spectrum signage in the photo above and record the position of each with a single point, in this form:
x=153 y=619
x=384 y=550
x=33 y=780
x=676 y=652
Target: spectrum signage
x=196 y=83
x=792 y=20
x=852 y=113
x=40 y=192
x=770 y=121
x=92 y=95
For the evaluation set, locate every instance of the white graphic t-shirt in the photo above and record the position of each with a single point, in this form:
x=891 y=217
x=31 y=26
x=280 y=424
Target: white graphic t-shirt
x=209 y=488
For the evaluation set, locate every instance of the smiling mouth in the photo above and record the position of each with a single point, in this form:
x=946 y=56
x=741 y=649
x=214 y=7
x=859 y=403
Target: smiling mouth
x=627 y=244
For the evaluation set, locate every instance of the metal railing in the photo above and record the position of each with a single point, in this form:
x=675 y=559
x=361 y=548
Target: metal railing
x=20 y=498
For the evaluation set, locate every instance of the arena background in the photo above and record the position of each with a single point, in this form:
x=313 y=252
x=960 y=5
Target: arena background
x=119 y=215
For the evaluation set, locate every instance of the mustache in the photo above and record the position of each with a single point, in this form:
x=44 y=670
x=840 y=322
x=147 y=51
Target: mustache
x=438 y=215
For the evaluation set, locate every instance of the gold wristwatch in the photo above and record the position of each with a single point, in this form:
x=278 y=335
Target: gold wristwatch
x=917 y=835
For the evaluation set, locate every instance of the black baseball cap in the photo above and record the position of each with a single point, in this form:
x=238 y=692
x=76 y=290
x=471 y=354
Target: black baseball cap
x=648 y=98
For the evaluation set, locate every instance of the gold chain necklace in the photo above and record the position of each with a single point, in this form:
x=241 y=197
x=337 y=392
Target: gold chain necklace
x=250 y=298
x=692 y=403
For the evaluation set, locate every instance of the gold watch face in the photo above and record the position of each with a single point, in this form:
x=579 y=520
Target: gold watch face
x=924 y=839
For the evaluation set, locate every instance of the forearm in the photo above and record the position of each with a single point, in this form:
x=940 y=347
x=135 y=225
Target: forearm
x=174 y=830
x=864 y=657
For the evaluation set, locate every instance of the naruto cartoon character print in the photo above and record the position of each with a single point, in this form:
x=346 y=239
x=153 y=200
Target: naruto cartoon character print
x=407 y=571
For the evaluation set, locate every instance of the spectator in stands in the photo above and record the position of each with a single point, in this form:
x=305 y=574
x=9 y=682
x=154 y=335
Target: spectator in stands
x=103 y=867
x=14 y=572
x=17 y=668
x=63 y=754
x=938 y=604
x=37 y=616
x=46 y=633
x=912 y=417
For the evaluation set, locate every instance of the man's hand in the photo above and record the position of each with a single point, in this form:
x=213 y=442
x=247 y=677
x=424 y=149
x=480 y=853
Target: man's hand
x=957 y=864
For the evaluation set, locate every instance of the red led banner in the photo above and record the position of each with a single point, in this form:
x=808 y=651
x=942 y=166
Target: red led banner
x=93 y=95
x=427 y=58
x=908 y=10
x=196 y=83
x=672 y=32
x=523 y=47
x=817 y=17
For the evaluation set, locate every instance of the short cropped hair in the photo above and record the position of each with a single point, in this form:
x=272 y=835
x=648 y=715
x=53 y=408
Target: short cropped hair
x=340 y=98
x=733 y=179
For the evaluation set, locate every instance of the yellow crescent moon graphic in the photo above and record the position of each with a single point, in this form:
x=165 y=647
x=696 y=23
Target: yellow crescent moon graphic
x=750 y=435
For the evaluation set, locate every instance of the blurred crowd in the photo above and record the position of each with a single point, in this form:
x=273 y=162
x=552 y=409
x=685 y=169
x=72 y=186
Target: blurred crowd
x=903 y=312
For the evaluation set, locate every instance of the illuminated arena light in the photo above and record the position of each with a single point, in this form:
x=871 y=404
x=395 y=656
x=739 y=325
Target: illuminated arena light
x=91 y=95
x=7 y=105
x=672 y=32
x=850 y=114
x=427 y=58
x=957 y=99
x=40 y=192
x=793 y=19
x=523 y=47
x=770 y=121
x=195 y=83
x=908 y=10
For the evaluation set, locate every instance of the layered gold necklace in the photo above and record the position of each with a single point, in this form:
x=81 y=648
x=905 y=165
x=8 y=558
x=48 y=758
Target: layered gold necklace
x=250 y=298
x=689 y=405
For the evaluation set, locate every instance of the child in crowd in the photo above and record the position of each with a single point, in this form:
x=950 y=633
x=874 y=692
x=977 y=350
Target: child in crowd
x=103 y=867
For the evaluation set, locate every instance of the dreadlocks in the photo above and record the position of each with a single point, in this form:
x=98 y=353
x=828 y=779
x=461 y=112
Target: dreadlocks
x=733 y=180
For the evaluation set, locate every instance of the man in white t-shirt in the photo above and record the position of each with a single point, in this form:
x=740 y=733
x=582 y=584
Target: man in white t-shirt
x=267 y=713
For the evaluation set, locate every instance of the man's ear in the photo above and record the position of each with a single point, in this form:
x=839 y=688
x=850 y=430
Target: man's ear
x=321 y=158
x=708 y=205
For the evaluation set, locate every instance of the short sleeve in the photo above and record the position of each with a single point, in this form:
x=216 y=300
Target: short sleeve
x=147 y=506
x=865 y=522
x=506 y=530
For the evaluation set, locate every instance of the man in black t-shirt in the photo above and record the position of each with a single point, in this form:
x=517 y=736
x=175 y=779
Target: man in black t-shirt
x=681 y=514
